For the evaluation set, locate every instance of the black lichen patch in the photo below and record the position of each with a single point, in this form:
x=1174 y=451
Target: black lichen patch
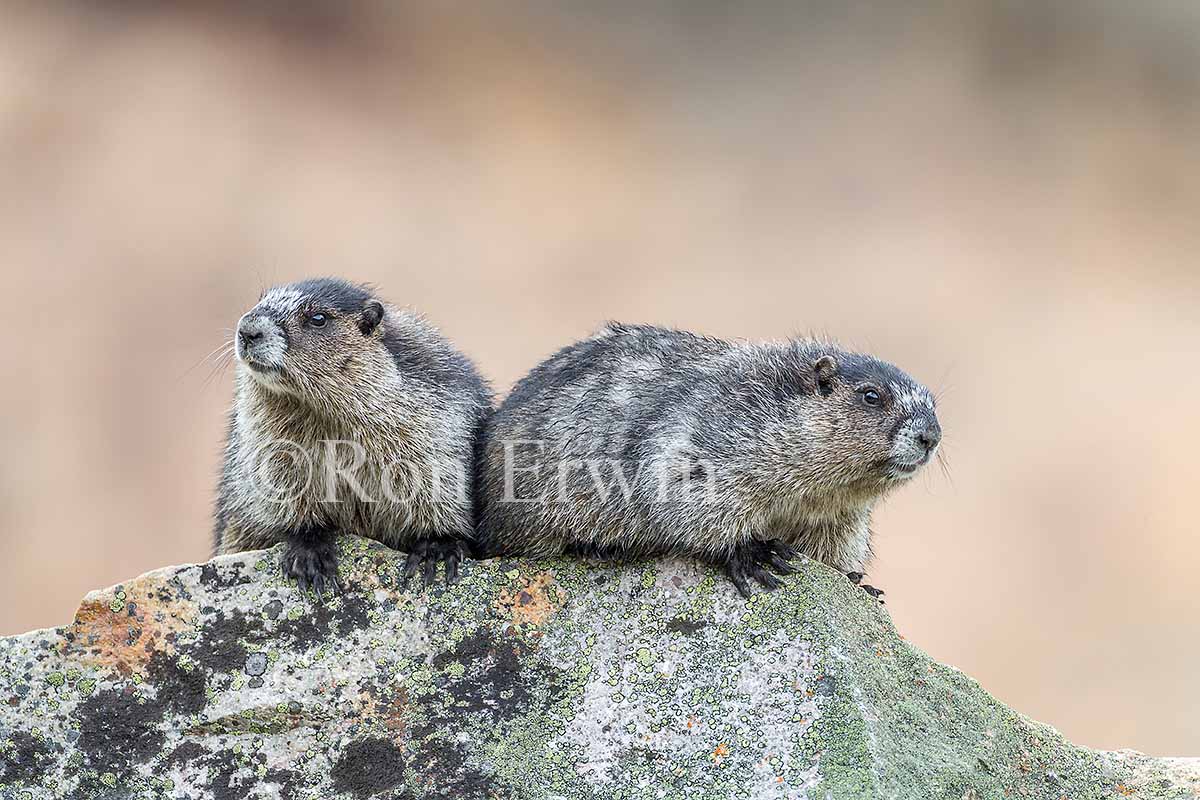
x=228 y=777
x=498 y=680
x=119 y=729
x=179 y=690
x=309 y=630
x=369 y=767
x=496 y=677
x=184 y=754
x=353 y=614
x=225 y=635
x=24 y=759
x=286 y=780
x=219 y=647
x=686 y=626
x=233 y=776
x=509 y=679
x=488 y=663
x=215 y=578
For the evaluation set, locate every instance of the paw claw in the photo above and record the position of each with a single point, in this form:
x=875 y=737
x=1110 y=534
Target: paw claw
x=871 y=590
x=758 y=560
x=739 y=580
x=412 y=564
x=425 y=556
x=452 y=567
x=312 y=563
x=785 y=551
x=779 y=565
x=768 y=581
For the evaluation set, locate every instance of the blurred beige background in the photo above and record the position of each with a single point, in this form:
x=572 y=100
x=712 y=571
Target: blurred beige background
x=1001 y=197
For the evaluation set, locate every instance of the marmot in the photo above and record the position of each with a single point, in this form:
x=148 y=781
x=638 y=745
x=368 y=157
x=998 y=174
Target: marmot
x=644 y=441
x=352 y=416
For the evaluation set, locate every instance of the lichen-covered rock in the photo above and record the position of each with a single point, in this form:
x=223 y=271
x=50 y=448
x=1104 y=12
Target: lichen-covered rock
x=523 y=681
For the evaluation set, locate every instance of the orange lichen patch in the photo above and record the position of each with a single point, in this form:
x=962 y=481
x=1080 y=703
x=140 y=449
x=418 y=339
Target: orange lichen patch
x=721 y=751
x=532 y=601
x=393 y=717
x=1125 y=790
x=386 y=708
x=123 y=629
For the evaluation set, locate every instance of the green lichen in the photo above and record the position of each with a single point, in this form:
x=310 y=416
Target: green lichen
x=117 y=604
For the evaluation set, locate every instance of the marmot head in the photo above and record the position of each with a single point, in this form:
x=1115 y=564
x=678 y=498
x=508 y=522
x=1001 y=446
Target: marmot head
x=313 y=339
x=870 y=422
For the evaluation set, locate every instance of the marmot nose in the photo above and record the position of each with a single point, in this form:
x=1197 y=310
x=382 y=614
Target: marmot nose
x=930 y=435
x=250 y=330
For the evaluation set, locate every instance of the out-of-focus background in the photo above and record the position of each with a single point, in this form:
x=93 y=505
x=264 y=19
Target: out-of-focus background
x=1002 y=197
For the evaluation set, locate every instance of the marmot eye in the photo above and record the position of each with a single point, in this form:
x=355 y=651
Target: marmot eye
x=318 y=320
x=870 y=397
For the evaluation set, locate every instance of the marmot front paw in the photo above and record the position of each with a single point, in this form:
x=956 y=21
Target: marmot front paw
x=425 y=555
x=757 y=559
x=312 y=564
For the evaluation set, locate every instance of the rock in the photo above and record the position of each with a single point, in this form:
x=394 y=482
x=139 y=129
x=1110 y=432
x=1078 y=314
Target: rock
x=525 y=681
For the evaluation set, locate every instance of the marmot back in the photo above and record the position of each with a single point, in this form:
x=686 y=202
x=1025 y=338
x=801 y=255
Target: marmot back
x=350 y=416
x=642 y=441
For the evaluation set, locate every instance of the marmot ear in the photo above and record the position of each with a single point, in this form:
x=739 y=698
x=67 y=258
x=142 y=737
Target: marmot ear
x=372 y=315
x=825 y=368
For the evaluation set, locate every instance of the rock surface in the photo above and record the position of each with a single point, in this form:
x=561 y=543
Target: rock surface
x=524 y=681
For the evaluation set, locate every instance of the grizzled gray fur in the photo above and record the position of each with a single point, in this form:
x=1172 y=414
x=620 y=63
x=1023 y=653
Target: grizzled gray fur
x=643 y=440
x=350 y=416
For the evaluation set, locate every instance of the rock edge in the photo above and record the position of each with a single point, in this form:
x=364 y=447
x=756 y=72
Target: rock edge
x=526 y=680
